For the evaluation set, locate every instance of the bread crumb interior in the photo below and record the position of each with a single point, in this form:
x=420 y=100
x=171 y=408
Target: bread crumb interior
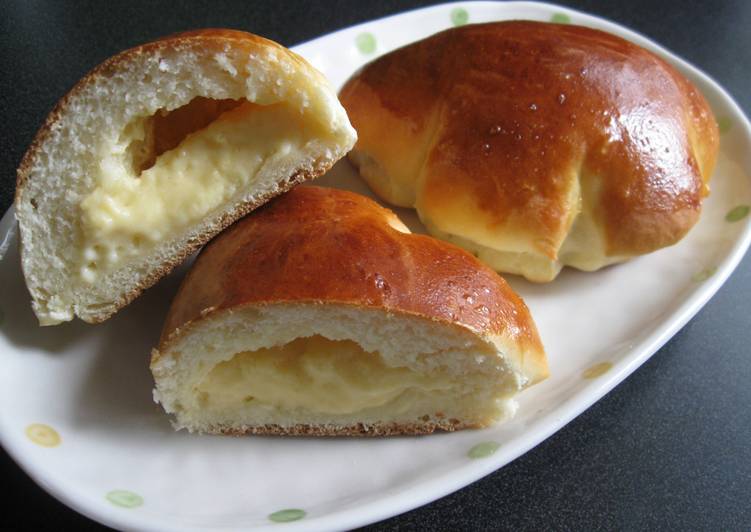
x=170 y=170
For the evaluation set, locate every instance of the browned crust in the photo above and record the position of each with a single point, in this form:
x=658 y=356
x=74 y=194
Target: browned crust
x=369 y=430
x=227 y=219
x=326 y=246
x=522 y=108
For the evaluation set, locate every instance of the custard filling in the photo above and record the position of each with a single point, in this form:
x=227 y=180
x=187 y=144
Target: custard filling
x=170 y=170
x=313 y=374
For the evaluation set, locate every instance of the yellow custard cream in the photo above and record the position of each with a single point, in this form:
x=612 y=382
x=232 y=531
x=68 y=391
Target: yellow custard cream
x=131 y=212
x=313 y=374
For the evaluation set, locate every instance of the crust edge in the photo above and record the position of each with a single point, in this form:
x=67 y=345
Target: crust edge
x=359 y=430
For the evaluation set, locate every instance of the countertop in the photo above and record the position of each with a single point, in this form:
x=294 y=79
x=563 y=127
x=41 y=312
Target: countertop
x=669 y=448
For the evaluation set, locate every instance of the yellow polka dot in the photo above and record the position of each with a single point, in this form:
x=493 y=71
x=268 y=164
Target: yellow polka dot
x=43 y=435
x=598 y=369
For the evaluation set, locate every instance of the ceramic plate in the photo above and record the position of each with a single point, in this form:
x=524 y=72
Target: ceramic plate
x=77 y=411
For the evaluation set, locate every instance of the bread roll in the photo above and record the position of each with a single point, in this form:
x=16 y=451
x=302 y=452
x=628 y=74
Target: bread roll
x=320 y=314
x=154 y=152
x=535 y=145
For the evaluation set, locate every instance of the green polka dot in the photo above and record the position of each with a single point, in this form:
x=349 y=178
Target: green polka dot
x=560 y=18
x=43 y=435
x=124 y=498
x=597 y=370
x=366 y=43
x=459 y=16
x=724 y=124
x=737 y=214
x=484 y=449
x=703 y=275
x=285 y=516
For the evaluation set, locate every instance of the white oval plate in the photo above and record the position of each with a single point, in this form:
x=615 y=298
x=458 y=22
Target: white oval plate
x=119 y=461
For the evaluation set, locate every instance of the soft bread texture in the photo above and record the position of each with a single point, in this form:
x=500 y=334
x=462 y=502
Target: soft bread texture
x=320 y=314
x=535 y=145
x=154 y=152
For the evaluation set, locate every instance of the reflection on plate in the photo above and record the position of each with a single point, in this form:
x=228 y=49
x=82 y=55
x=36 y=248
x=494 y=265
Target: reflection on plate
x=84 y=426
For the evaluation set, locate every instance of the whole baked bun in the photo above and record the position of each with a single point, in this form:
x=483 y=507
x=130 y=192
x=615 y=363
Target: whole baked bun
x=155 y=151
x=535 y=145
x=321 y=314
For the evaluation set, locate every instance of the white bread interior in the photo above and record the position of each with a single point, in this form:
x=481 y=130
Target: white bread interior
x=89 y=244
x=378 y=373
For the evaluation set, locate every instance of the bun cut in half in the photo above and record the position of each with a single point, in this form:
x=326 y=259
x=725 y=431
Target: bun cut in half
x=154 y=152
x=320 y=314
x=535 y=145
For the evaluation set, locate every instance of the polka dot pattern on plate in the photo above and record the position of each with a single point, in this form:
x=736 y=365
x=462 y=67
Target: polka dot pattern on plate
x=724 y=124
x=704 y=274
x=366 y=43
x=459 y=16
x=560 y=18
x=484 y=449
x=287 y=515
x=124 y=498
x=736 y=214
x=597 y=370
x=43 y=435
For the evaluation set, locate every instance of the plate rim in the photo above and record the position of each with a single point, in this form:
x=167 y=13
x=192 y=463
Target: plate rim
x=426 y=491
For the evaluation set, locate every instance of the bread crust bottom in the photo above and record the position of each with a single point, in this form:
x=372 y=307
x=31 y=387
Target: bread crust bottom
x=367 y=430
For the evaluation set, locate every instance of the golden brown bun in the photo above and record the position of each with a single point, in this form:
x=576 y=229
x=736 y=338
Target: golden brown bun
x=535 y=144
x=316 y=248
x=141 y=108
x=325 y=245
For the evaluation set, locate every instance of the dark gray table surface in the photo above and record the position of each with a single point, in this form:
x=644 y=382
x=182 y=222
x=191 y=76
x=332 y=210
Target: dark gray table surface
x=670 y=448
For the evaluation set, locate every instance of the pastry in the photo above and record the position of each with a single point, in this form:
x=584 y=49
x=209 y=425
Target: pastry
x=321 y=314
x=154 y=152
x=535 y=145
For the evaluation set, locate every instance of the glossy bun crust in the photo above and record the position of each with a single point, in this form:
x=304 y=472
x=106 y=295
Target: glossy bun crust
x=324 y=245
x=319 y=262
x=535 y=145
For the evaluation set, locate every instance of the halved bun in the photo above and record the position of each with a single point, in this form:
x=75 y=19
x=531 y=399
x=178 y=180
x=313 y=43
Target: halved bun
x=320 y=314
x=154 y=152
x=535 y=145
